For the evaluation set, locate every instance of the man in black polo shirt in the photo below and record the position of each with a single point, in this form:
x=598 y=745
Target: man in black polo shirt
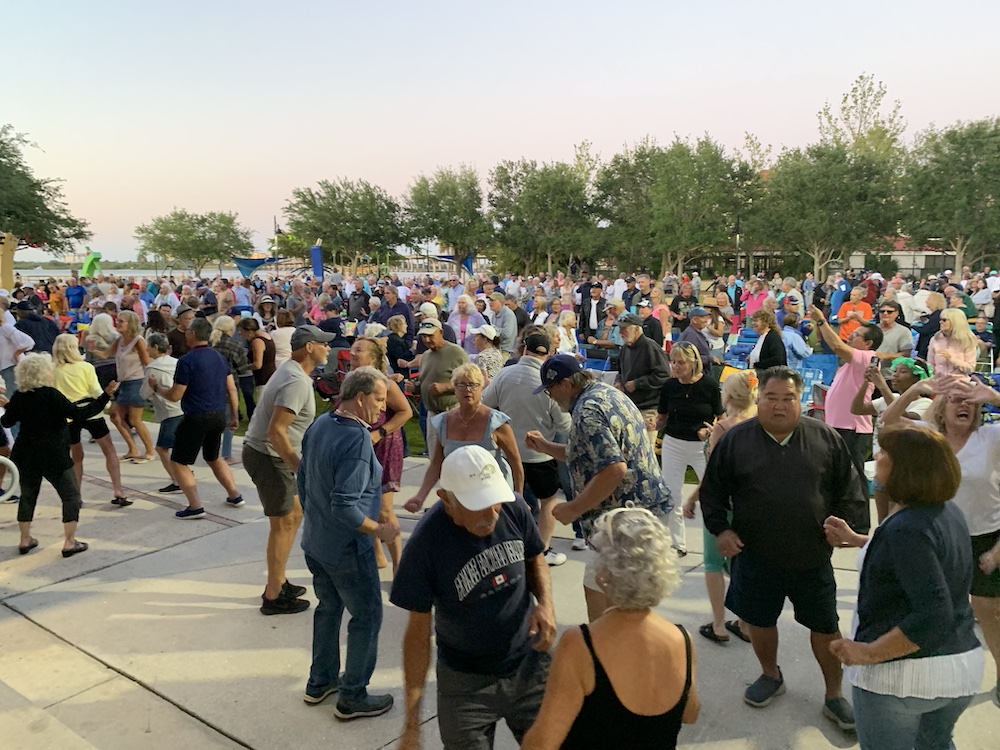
x=203 y=383
x=781 y=475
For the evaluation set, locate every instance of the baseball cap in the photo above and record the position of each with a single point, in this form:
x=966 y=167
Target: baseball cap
x=537 y=343
x=428 y=310
x=498 y=296
x=429 y=326
x=307 y=334
x=181 y=309
x=265 y=298
x=558 y=368
x=697 y=312
x=949 y=272
x=628 y=319
x=23 y=305
x=630 y=280
x=645 y=303
x=471 y=473
x=487 y=330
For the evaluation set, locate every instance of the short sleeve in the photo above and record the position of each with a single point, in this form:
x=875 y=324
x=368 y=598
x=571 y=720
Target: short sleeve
x=293 y=396
x=182 y=374
x=412 y=586
x=439 y=425
x=597 y=431
x=533 y=544
x=497 y=420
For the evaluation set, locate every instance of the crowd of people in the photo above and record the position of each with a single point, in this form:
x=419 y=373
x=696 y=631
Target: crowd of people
x=546 y=399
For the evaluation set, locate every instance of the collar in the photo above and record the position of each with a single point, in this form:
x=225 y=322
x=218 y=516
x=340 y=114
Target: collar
x=780 y=442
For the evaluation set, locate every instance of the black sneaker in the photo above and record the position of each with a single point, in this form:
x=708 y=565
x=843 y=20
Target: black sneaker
x=371 y=705
x=283 y=605
x=839 y=711
x=190 y=513
x=235 y=502
x=169 y=488
x=315 y=697
x=764 y=690
x=290 y=589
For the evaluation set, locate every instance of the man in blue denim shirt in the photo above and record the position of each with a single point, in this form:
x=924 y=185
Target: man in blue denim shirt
x=340 y=486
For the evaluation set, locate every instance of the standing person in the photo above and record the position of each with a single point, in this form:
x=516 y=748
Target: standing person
x=695 y=333
x=897 y=339
x=42 y=447
x=261 y=354
x=688 y=405
x=913 y=657
x=610 y=459
x=437 y=364
x=393 y=305
x=781 y=475
x=769 y=351
x=161 y=367
x=487 y=341
x=513 y=392
x=953 y=348
x=77 y=381
x=463 y=319
x=41 y=330
x=642 y=370
x=853 y=314
x=235 y=353
x=476 y=561
x=753 y=297
x=682 y=304
x=642 y=686
x=592 y=313
x=282 y=338
x=339 y=482
x=131 y=359
x=183 y=316
x=502 y=318
x=651 y=327
x=14 y=344
x=203 y=383
x=272 y=453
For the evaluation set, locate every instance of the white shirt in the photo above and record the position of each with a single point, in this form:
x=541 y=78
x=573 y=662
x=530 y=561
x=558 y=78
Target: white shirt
x=978 y=496
x=404 y=293
x=619 y=289
x=918 y=407
x=993 y=283
x=593 y=322
x=11 y=340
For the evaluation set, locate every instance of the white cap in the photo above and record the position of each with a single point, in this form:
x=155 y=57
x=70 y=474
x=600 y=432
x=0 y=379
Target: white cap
x=428 y=310
x=471 y=473
x=487 y=330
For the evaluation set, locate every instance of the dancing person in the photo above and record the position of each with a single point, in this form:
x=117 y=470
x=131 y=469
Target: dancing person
x=162 y=366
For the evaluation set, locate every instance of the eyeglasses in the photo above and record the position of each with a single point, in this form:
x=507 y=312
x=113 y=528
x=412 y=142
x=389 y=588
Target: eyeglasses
x=886 y=312
x=468 y=386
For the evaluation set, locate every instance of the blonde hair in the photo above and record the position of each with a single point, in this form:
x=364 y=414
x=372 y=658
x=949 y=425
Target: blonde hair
x=468 y=370
x=378 y=347
x=567 y=317
x=768 y=318
x=66 y=350
x=687 y=352
x=397 y=324
x=131 y=321
x=740 y=391
x=102 y=330
x=34 y=371
x=374 y=330
x=936 y=301
x=223 y=325
x=961 y=331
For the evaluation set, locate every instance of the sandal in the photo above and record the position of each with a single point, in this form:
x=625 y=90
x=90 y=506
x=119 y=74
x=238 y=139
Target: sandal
x=122 y=501
x=128 y=457
x=77 y=548
x=32 y=543
x=136 y=460
x=733 y=626
x=709 y=632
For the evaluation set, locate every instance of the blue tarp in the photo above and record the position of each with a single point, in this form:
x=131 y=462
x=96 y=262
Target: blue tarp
x=247 y=266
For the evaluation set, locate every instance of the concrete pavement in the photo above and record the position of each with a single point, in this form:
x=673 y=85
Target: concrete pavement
x=152 y=638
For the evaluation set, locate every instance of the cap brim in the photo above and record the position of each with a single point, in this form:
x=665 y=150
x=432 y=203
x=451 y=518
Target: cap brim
x=542 y=387
x=487 y=497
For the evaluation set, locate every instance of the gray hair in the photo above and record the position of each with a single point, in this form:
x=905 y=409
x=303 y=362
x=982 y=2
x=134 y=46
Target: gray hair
x=159 y=342
x=34 y=371
x=635 y=557
x=360 y=382
x=581 y=379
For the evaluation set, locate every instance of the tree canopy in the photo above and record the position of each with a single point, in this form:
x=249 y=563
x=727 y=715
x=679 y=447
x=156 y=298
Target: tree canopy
x=197 y=239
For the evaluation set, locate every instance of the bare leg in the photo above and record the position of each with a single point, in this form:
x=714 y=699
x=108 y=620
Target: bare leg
x=111 y=462
x=224 y=474
x=25 y=528
x=184 y=478
x=765 y=646
x=833 y=672
x=387 y=515
x=118 y=414
x=715 y=583
x=135 y=417
x=279 y=546
x=76 y=453
x=69 y=535
x=597 y=603
x=546 y=522
x=988 y=613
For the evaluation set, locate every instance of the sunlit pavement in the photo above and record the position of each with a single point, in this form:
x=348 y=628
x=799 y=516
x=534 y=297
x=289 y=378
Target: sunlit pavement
x=153 y=638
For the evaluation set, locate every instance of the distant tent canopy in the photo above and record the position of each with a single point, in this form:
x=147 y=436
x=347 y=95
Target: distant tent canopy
x=467 y=264
x=247 y=266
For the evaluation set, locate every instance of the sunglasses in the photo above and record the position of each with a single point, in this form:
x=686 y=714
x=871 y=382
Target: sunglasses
x=886 y=312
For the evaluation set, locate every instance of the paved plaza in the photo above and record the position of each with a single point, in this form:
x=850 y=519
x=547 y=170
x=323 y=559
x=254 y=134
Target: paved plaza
x=153 y=639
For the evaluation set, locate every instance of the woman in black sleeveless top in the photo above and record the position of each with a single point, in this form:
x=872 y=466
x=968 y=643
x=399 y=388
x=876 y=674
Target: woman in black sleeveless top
x=628 y=679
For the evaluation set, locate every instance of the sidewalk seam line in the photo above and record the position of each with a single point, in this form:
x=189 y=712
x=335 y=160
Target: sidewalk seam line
x=75 y=695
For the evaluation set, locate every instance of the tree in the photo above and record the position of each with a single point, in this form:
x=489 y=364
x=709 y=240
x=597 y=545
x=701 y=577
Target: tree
x=862 y=124
x=827 y=202
x=197 y=239
x=448 y=208
x=32 y=209
x=951 y=191
x=356 y=218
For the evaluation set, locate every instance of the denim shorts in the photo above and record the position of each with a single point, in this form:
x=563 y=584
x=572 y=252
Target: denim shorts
x=129 y=394
x=168 y=432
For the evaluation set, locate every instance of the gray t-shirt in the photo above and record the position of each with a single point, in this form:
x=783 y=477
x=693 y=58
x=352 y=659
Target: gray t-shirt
x=291 y=302
x=437 y=367
x=292 y=389
x=899 y=338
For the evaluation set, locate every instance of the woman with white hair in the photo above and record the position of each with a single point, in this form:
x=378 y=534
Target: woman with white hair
x=42 y=447
x=465 y=318
x=103 y=334
x=568 y=341
x=630 y=673
x=953 y=348
x=167 y=297
x=76 y=379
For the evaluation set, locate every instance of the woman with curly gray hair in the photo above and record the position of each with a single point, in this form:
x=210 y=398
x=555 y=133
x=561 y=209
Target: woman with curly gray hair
x=630 y=673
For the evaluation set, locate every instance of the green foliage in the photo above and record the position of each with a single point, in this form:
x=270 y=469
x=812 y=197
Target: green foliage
x=861 y=124
x=951 y=187
x=33 y=208
x=883 y=263
x=287 y=245
x=448 y=208
x=197 y=239
x=356 y=218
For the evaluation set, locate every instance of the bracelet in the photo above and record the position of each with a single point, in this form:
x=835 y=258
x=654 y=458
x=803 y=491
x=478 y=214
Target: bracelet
x=382 y=432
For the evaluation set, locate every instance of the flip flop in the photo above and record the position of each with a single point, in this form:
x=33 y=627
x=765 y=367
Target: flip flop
x=709 y=632
x=733 y=626
x=76 y=549
x=31 y=545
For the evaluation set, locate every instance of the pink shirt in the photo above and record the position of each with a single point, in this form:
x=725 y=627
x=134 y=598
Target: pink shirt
x=845 y=385
x=963 y=361
x=754 y=301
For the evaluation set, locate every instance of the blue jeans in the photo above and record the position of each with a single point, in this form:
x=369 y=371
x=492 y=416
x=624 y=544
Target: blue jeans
x=886 y=722
x=352 y=584
x=227 y=437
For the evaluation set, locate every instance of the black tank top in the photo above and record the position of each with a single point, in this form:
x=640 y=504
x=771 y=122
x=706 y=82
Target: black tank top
x=603 y=722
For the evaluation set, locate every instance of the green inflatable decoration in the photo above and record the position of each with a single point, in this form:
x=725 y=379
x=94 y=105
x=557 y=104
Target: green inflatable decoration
x=92 y=265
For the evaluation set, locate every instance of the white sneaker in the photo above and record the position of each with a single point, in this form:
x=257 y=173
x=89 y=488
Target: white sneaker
x=554 y=558
x=579 y=544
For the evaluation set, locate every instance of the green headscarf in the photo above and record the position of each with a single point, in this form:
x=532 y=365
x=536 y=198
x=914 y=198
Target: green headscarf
x=919 y=368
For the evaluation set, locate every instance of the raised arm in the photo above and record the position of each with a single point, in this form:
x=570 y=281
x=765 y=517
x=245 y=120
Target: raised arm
x=842 y=350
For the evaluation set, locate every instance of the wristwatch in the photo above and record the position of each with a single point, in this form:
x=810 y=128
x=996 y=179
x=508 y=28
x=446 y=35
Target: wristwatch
x=382 y=432
x=821 y=322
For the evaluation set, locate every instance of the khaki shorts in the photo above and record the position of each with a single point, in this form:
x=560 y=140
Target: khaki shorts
x=274 y=480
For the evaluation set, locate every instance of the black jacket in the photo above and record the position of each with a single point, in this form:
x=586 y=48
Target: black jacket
x=645 y=363
x=42 y=331
x=772 y=352
x=653 y=329
x=584 y=325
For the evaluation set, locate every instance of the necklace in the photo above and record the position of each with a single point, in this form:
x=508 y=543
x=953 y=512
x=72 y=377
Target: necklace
x=458 y=413
x=355 y=417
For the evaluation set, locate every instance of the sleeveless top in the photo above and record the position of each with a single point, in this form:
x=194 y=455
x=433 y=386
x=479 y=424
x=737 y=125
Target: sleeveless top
x=497 y=419
x=603 y=722
x=267 y=366
x=127 y=361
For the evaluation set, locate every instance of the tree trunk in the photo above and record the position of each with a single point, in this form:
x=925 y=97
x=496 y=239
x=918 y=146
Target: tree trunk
x=959 y=246
x=7 y=248
x=549 y=254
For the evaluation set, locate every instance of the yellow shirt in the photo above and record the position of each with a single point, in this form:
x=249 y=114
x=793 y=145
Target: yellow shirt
x=77 y=381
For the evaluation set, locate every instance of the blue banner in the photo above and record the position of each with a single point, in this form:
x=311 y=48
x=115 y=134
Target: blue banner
x=316 y=253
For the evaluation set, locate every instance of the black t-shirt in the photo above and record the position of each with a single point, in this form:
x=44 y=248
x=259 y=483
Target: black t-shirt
x=681 y=306
x=477 y=587
x=688 y=407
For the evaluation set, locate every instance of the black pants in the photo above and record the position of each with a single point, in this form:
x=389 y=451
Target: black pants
x=63 y=480
x=247 y=386
x=860 y=446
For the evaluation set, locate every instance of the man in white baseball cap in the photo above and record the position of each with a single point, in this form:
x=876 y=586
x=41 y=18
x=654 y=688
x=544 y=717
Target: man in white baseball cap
x=477 y=561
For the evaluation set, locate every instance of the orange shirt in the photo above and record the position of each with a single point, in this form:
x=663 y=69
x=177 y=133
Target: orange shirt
x=847 y=327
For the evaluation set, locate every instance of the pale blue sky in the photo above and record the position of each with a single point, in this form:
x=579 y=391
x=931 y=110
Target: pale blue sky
x=211 y=105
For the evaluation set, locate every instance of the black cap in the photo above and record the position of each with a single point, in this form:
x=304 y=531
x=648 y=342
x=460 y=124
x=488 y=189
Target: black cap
x=537 y=343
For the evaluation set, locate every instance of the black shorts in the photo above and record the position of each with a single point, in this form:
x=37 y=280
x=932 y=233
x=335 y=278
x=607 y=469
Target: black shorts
x=97 y=428
x=542 y=478
x=758 y=590
x=4 y=442
x=987 y=586
x=198 y=432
